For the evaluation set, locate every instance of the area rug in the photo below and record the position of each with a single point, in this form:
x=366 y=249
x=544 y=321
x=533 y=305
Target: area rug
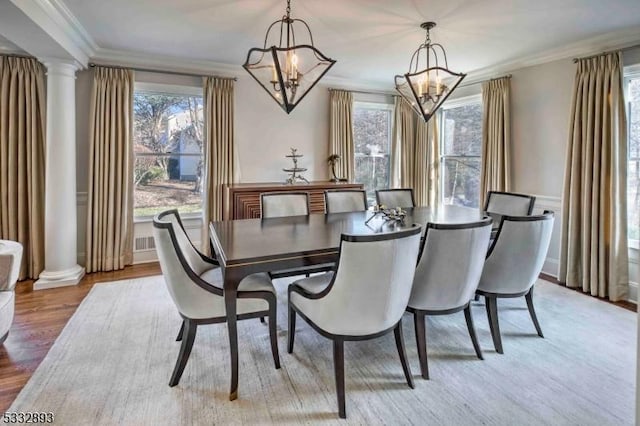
x=111 y=365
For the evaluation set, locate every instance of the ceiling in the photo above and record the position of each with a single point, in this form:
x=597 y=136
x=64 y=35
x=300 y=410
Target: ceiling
x=372 y=40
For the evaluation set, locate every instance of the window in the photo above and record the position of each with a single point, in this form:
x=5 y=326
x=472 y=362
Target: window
x=460 y=148
x=632 y=83
x=372 y=128
x=168 y=140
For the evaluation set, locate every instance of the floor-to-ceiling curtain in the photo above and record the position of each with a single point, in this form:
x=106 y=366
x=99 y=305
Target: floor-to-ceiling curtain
x=415 y=157
x=110 y=195
x=220 y=151
x=594 y=254
x=403 y=145
x=495 y=172
x=426 y=168
x=22 y=159
x=341 y=132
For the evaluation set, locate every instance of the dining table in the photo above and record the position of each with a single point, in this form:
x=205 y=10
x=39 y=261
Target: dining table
x=247 y=246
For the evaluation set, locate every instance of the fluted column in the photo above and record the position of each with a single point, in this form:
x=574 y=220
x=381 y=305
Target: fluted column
x=61 y=227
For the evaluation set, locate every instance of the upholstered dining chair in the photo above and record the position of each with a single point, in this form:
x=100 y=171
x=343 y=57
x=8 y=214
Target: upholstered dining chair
x=284 y=204
x=194 y=282
x=447 y=276
x=499 y=204
x=281 y=204
x=10 y=261
x=399 y=197
x=364 y=299
x=345 y=200
x=513 y=264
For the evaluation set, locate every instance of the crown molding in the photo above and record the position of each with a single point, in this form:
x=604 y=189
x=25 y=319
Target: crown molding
x=127 y=58
x=610 y=41
x=56 y=20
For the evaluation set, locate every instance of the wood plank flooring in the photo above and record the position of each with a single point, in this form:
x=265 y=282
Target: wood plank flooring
x=40 y=317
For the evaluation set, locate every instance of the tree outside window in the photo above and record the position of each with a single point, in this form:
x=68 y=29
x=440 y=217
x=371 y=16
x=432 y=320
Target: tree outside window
x=461 y=148
x=168 y=159
x=632 y=81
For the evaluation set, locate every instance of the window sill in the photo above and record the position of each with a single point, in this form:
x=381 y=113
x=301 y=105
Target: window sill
x=184 y=217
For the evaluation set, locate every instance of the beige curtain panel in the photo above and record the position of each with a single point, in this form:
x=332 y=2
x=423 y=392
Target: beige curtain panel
x=403 y=145
x=220 y=150
x=426 y=163
x=495 y=172
x=415 y=154
x=594 y=254
x=22 y=159
x=110 y=198
x=341 y=132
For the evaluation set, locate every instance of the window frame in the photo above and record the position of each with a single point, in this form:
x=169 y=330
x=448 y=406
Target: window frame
x=176 y=90
x=384 y=106
x=452 y=104
x=629 y=73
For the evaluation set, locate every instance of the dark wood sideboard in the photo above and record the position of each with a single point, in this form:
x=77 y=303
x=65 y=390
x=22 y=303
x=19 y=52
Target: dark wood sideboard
x=242 y=200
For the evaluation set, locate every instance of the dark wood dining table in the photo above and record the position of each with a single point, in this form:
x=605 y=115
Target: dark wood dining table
x=248 y=246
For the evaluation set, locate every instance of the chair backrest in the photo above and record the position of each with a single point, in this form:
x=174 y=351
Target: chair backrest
x=185 y=286
x=371 y=286
x=345 y=200
x=6 y=262
x=450 y=265
x=509 y=204
x=517 y=254
x=191 y=254
x=280 y=204
x=402 y=197
x=13 y=249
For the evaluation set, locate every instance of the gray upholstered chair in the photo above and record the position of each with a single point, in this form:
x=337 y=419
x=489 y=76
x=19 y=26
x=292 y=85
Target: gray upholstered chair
x=513 y=264
x=499 y=204
x=364 y=299
x=447 y=276
x=345 y=200
x=10 y=261
x=194 y=282
x=281 y=204
x=285 y=204
x=401 y=197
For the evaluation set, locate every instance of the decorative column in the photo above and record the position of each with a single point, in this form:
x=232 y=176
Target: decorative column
x=61 y=227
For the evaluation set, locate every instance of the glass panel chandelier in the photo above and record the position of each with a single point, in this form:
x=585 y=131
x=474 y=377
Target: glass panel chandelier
x=287 y=71
x=427 y=88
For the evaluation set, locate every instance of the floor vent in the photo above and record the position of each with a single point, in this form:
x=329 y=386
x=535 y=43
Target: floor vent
x=144 y=244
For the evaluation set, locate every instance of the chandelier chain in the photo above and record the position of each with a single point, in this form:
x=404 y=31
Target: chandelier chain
x=288 y=9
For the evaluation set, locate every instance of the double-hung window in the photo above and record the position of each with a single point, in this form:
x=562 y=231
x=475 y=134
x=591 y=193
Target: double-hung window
x=372 y=132
x=460 y=151
x=168 y=149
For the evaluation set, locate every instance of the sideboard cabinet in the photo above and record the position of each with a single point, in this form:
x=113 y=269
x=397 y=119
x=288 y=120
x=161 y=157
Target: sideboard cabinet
x=242 y=200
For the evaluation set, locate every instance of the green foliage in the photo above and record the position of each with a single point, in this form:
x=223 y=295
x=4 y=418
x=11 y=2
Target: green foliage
x=145 y=176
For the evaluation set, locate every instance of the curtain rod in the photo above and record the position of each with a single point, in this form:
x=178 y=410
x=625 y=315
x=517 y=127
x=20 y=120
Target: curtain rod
x=606 y=52
x=18 y=55
x=92 y=65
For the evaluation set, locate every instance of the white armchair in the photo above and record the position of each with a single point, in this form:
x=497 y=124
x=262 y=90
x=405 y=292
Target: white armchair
x=364 y=299
x=345 y=200
x=513 y=265
x=397 y=197
x=10 y=262
x=447 y=276
x=194 y=282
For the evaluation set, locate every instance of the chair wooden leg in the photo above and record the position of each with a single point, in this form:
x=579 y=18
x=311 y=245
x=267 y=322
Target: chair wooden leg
x=338 y=366
x=262 y=320
x=403 y=354
x=292 y=329
x=180 y=333
x=532 y=312
x=472 y=331
x=421 y=343
x=491 y=304
x=273 y=332
x=185 y=351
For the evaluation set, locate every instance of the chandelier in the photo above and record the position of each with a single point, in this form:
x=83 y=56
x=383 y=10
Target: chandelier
x=427 y=88
x=287 y=71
